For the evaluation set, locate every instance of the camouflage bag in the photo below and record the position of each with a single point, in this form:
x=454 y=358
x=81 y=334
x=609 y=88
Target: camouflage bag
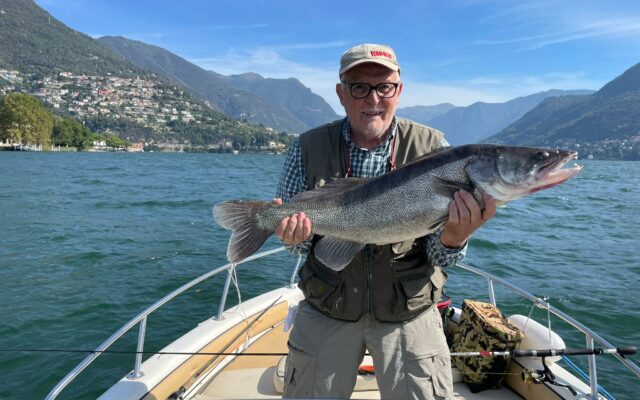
x=483 y=328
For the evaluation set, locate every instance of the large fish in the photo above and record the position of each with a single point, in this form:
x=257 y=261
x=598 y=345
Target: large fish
x=406 y=203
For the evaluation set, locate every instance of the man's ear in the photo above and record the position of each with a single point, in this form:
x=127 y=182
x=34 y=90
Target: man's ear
x=399 y=89
x=340 y=92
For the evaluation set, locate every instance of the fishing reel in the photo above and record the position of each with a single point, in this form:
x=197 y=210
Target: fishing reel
x=544 y=375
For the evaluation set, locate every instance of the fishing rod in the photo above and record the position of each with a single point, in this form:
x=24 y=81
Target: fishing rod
x=623 y=351
x=534 y=376
x=545 y=375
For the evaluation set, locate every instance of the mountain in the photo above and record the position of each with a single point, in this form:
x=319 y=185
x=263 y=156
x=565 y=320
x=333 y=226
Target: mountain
x=424 y=114
x=282 y=104
x=290 y=93
x=77 y=76
x=609 y=115
x=475 y=122
x=35 y=42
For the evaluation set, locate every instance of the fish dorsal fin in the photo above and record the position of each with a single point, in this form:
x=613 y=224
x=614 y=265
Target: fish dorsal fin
x=329 y=189
x=336 y=253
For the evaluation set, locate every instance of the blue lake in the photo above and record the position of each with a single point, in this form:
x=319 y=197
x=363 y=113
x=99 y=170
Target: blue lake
x=87 y=241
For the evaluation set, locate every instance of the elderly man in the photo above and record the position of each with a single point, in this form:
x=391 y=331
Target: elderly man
x=384 y=301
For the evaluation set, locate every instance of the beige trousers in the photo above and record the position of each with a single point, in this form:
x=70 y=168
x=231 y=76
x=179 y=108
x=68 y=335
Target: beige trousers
x=411 y=359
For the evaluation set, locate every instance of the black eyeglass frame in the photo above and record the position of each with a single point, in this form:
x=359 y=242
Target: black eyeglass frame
x=372 y=87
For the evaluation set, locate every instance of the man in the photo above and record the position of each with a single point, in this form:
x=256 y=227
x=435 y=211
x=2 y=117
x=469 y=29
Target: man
x=384 y=300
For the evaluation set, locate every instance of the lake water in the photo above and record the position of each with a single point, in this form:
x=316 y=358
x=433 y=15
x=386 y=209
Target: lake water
x=88 y=240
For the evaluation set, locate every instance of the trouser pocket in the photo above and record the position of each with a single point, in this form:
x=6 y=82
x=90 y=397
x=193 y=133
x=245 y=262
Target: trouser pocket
x=298 y=374
x=431 y=377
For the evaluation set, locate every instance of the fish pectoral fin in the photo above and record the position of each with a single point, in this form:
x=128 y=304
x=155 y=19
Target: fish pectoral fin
x=453 y=186
x=436 y=224
x=336 y=253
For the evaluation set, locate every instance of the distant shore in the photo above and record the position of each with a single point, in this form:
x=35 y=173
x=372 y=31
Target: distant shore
x=61 y=149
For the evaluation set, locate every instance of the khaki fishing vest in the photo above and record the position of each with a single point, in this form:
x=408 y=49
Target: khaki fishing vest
x=393 y=281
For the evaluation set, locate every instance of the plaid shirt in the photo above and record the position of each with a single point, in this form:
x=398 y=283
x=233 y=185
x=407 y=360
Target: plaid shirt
x=364 y=164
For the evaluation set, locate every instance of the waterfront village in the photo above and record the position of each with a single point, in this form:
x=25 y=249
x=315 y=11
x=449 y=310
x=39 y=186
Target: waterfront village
x=150 y=103
x=155 y=105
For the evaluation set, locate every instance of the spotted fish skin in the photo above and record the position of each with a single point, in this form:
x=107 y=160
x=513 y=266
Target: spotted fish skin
x=409 y=202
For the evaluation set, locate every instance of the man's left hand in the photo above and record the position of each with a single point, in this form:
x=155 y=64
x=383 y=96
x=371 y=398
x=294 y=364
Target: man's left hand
x=465 y=217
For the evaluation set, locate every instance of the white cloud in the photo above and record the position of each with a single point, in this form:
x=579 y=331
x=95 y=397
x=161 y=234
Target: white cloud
x=608 y=28
x=491 y=89
x=566 y=23
x=416 y=93
x=321 y=79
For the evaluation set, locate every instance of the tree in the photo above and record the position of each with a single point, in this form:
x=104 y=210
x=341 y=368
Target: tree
x=23 y=119
x=70 y=132
x=115 y=142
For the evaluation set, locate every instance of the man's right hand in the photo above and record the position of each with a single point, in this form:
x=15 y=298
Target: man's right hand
x=294 y=229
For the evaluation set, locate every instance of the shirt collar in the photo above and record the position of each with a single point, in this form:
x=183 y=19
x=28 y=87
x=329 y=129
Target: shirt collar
x=346 y=135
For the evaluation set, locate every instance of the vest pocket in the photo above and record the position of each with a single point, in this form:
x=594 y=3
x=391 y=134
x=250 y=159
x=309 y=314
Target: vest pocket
x=325 y=295
x=415 y=293
x=323 y=290
x=416 y=288
x=438 y=279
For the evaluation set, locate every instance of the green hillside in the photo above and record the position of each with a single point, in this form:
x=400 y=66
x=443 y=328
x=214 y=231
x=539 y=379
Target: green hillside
x=605 y=124
x=75 y=75
x=223 y=97
x=290 y=93
x=35 y=42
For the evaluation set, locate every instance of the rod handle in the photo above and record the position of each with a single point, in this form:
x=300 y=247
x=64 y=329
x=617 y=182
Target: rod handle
x=627 y=350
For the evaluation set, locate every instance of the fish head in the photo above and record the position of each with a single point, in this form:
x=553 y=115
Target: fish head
x=510 y=172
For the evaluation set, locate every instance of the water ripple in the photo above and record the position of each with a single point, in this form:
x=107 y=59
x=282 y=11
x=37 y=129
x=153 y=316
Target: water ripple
x=90 y=240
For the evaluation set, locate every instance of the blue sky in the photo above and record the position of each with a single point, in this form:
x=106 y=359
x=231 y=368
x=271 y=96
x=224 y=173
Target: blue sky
x=450 y=51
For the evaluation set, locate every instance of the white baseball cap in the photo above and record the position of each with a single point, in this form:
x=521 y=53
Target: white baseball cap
x=369 y=53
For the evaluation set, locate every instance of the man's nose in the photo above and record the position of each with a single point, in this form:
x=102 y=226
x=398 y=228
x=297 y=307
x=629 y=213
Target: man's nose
x=373 y=97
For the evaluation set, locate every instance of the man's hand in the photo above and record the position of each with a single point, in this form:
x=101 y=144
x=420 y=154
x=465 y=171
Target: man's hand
x=465 y=216
x=294 y=229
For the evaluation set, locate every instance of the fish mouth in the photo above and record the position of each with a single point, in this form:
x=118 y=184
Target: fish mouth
x=554 y=172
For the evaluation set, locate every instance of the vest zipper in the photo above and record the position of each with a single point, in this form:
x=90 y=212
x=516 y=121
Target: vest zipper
x=367 y=263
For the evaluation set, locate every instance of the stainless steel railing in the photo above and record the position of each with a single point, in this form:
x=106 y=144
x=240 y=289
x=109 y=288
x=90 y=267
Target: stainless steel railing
x=591 y=336
x=141 y=319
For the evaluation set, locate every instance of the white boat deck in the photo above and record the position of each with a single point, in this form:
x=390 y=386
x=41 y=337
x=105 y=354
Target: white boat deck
x=238 y=384
x=253 y=377
x=192 y=367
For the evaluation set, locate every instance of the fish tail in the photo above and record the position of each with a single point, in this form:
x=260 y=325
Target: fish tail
x=241 y=217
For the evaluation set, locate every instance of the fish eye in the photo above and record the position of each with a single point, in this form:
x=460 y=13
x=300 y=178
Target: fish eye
x=541 y=155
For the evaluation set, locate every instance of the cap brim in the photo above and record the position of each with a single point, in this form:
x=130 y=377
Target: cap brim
x=390 y=65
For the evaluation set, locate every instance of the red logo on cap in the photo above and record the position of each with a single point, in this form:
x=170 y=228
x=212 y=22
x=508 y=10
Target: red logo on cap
x=378 y=53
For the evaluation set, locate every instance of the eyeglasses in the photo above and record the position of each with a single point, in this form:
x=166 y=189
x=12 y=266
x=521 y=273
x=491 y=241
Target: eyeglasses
x=362 y=90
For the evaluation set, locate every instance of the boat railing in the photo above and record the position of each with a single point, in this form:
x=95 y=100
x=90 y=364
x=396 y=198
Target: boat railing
x=141 y=320
x=590 y=336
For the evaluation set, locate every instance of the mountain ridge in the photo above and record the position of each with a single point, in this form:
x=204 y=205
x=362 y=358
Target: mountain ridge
x=80 y=77
x=282 y=104
x=609 y=113
x=290 y=93
x=603 y=125
x=479 y=120
x=51 y=42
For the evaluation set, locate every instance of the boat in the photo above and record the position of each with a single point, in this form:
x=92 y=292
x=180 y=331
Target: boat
x=240 y=351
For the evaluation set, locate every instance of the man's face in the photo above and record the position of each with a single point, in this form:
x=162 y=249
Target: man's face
x=370 y=117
